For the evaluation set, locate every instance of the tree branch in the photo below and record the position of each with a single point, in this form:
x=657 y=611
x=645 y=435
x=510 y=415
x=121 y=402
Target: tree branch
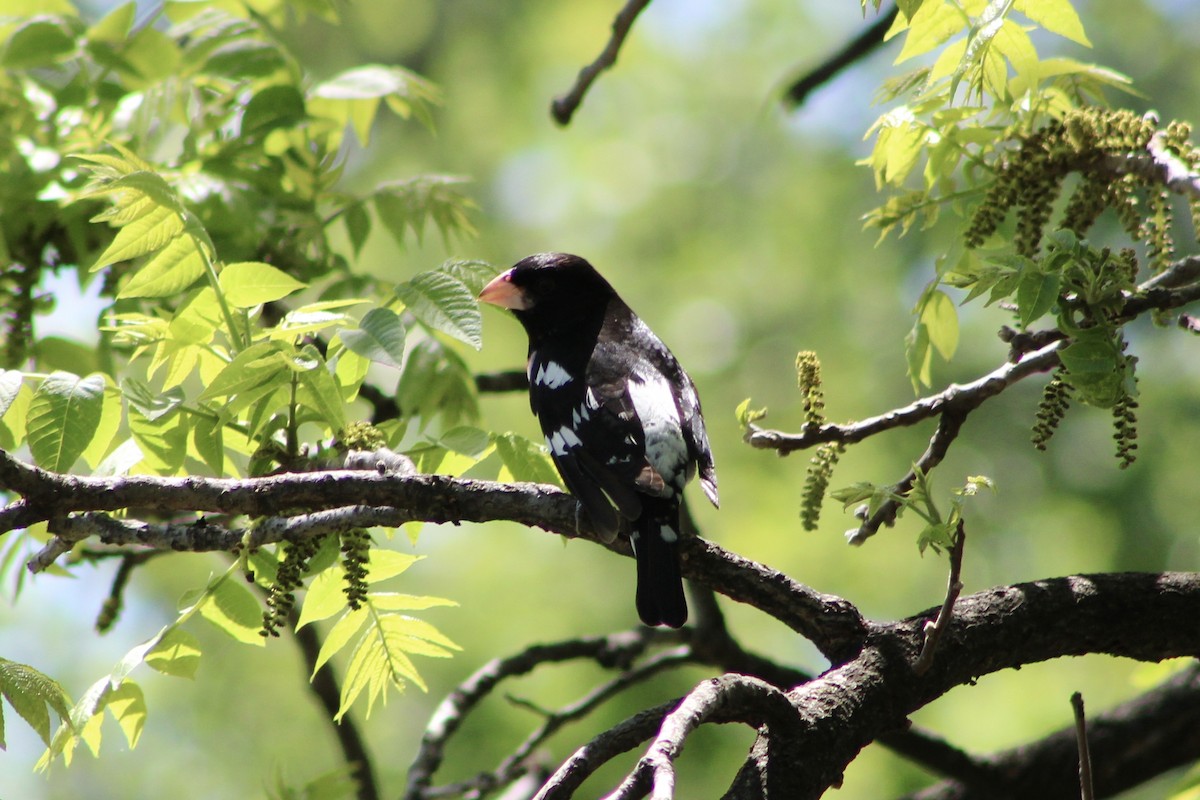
x=617 y=650
x=318 y=499
x=964 y=397
x=933 y=630
x=565 y=106
x=855 y=50
x=1129 y=744
x=729 y=698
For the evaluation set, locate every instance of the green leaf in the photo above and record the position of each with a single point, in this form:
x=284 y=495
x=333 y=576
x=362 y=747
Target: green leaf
x=114 y=27
x=381 y=658
x=747 y=416
x=176 y=653
x=32 y=695
x=63 y=418
x=261 y=365
x=384 y=564
x=278 y=106
x=251 y=283
x=405 y=206
x=106 y=428
x=394 y=601
x=128 y=707
x=1037 y=293
x=940 y=319
x=208 y=439
x=151 y=404
x=929 y=26
x=357 y=220
x=319 y=391
x=919 y=356
x=379 y=337
x=444 y=303
x=475 y=274
x=149 y=232
x=232 y=608
x=163 y=440
x=169 y=272
x=10 y=387
x=1056 y=16
x=324 y=597
x=353 y=96
x=38 y=43
x=466 y=439
x=526 y=461
x=13 y=423
x=339 y=636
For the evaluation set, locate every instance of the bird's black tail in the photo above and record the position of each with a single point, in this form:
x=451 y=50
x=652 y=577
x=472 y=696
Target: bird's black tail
x=660 y=599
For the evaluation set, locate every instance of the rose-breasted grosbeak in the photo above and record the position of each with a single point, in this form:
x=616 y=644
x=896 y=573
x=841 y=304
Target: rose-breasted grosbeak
x=620 y=416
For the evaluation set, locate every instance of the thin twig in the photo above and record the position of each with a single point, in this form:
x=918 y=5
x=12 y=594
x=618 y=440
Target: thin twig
x=933 y=630
x=565 y=106
x=856 y=49
x=944 y=434
x=519 y=761
x=615 y=650
x=969 y=396
x=1086 y=791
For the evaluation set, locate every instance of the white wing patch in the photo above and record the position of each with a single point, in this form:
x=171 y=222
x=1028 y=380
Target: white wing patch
x=562 y=440
x=666 y=449
x=552 y=375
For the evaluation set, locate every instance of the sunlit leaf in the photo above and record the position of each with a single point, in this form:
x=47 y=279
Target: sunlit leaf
x=176 y=653
x=32 y=695
x=444 y=303
x=1056 y=16
x=525 y=460
x=63 y=418
x=231 y=607
x=379 y=337
x=251 y=283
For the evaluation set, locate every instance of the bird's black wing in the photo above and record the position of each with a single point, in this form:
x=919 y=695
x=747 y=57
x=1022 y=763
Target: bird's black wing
x=593 y=437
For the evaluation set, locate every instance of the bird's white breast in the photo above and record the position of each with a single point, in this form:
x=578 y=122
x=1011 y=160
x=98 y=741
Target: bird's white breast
x=655 y=405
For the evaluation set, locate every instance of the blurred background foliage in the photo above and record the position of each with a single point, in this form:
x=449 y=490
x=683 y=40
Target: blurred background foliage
x=733 y=226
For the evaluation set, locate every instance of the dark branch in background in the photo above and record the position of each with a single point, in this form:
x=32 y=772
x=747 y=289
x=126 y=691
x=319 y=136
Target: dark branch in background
x=1128 y=744
x=1086 y=791
x=855 y=50
x=508 y=381
x=618 y=650
x=110 y=611
x=324 y=685
x=565 y=106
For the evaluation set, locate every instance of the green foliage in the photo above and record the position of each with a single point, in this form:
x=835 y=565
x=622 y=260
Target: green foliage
x=172 y=651
x=192 y=166
x=940 y=529
x=1026 y=125
x=383 y=636
x=747 y=416
x=32 y=695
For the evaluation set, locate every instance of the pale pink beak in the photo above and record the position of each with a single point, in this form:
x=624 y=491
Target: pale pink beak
x=501 y=292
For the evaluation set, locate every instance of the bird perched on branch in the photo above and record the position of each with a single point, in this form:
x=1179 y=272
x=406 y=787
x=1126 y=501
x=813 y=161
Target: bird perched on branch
x=620 y=416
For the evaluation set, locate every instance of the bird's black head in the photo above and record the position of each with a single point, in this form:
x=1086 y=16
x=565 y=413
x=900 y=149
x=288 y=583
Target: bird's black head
x=549 y=292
